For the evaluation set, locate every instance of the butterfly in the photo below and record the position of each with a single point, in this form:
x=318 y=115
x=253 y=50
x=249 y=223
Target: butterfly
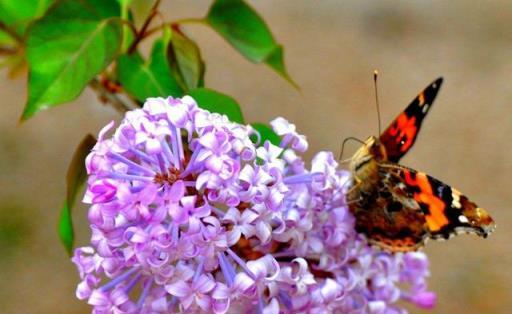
x=399 y=208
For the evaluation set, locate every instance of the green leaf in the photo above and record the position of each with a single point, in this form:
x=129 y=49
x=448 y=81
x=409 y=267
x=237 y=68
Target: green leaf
x=242 y=27
x=69 y=46
x=186 y=61
x=16 y=13
x=266 y=133
x=214 y=101
x=75 y=179
x=276 y=61
x=65 y=228
x=148 y=79
x=246 y=31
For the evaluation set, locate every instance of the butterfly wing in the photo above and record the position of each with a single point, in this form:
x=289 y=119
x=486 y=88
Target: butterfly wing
x=445 y=209
x=390 y=223
x=409 y=206
x=400 y=136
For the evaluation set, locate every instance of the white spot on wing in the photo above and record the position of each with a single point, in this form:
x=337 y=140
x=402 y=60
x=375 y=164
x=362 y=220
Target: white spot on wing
x=456 y=199
x=463 y=219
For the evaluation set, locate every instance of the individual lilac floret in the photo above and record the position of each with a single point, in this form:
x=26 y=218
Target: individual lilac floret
x=189 y=215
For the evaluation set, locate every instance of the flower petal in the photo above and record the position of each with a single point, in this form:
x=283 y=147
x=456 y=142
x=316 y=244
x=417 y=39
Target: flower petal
x=179 y=289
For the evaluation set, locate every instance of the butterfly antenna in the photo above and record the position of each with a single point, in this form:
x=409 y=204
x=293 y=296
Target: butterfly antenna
x=343 y=147
x=375 y=75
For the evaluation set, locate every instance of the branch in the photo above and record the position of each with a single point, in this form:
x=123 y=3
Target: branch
x=151 y=31
x=11 y=33
x=140 y=35
x=108 y=97
x=191 y=20
x=5 y=50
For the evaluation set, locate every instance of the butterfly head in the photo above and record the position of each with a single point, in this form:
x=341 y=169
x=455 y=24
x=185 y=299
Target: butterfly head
x=372 y=150
x=365 y=162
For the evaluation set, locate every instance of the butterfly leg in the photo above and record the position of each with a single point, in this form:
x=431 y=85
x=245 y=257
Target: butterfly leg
x=351 y=197
x=355 y=185
x=354 y=201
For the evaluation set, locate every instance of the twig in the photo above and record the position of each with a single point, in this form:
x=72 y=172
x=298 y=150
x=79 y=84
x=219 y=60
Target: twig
x=150 y=32
x=129 y=25
x=153 y=30
x=191 y=20
x=109 y=97
x=11 y=33
x=5 y=50
x=140 y=35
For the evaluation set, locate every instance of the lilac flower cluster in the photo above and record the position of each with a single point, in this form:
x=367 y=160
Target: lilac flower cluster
x=189 y=214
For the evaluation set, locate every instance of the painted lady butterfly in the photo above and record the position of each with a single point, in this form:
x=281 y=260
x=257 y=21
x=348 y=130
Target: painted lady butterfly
x=399 y=208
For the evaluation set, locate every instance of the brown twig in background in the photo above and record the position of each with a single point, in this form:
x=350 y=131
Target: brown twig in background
x=140 y=35
x=5 y=50
x=11 y=33
x=153 y=30
x=106 y=96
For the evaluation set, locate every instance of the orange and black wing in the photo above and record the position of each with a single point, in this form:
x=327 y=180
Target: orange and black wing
x=409 y=206
x=446 y=210
x=400 y=136
x=390 y=223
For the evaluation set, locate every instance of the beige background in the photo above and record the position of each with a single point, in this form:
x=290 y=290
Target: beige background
x=332 y=48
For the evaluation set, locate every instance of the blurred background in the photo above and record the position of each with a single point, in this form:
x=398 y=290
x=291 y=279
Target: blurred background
x=331 y=50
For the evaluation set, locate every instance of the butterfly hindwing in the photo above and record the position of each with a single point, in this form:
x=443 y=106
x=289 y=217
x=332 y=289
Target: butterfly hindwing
x=446 y=211
x=409 y=206
x=389 y=220
x=400 y=136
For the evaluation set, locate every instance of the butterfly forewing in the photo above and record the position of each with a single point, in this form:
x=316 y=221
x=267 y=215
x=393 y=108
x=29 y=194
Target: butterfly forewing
x=400 y=136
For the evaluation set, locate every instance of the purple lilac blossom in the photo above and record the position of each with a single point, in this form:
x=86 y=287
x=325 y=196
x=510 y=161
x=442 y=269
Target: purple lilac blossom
x=189 y=215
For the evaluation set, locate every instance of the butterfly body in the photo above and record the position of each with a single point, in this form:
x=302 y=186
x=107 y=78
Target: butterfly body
x=398 y=208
